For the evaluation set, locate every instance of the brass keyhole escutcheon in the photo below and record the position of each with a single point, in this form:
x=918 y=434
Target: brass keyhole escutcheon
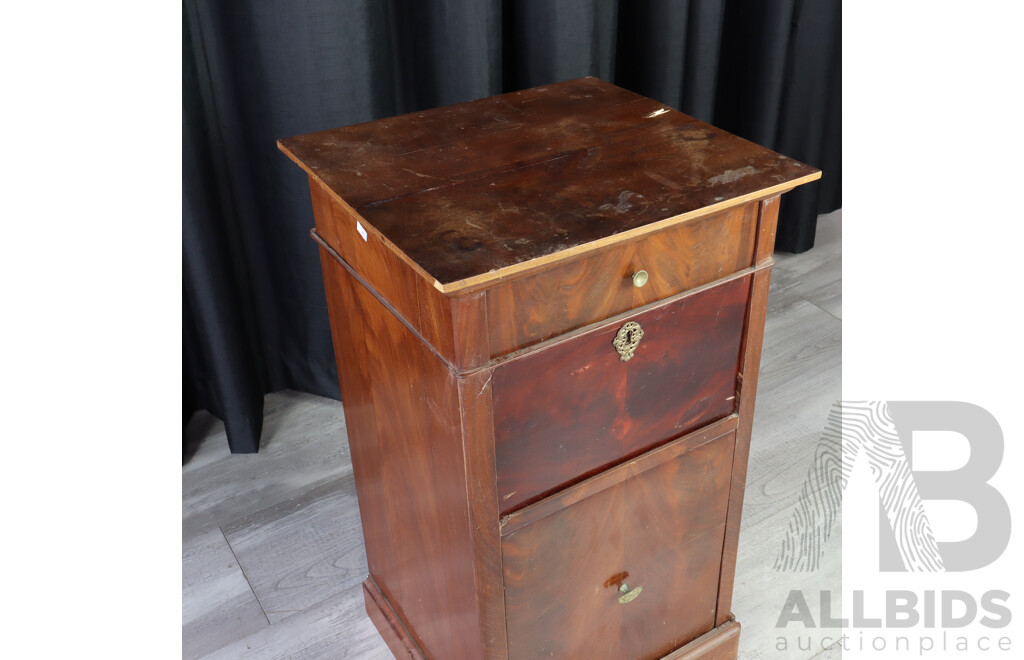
x=640 y=278
x=629 y=595
x=627 y=339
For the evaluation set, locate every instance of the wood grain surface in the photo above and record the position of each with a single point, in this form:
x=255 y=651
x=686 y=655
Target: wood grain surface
x=224 y=487
x=482 y=495
x=660 y=530
x=514 y=475
x=571 y=410
x=391 y=629
x=445 y=187
x=616 y=475
x=722 y=643
x=572 y=293
x=750 y=365
x=405 y=433
x=321 y=559
x=429 y=312
x=218 y=605
x=304 y=447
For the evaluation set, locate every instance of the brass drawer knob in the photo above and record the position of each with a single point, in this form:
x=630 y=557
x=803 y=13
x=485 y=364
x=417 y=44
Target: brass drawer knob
x=627 y=339
x=629 y=595
x=640 y=278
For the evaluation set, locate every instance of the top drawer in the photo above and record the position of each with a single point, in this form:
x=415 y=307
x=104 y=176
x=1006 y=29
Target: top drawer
x=599 y=284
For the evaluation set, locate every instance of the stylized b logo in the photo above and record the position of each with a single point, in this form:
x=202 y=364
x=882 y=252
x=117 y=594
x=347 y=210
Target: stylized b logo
x=883 y=433
x=968 y=484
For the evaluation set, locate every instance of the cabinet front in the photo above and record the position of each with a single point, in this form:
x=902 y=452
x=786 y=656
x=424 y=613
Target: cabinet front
x=582 y=290
x=575 y=408
x=630 y=570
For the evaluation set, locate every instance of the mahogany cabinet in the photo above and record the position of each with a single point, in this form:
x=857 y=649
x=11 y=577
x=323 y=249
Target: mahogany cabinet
x=547 y=310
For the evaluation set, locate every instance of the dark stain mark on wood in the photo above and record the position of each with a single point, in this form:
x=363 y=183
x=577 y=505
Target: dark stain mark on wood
x=590 y=160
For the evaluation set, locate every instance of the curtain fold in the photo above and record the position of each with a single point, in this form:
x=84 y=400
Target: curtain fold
x=255 y=316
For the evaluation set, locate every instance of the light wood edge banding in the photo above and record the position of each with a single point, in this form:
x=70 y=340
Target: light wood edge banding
x=539 y=346
x=626 y=236
x=597 y=326
x=477 y=281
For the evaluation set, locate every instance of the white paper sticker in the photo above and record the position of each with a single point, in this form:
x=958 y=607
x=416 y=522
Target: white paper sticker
x=361 y=230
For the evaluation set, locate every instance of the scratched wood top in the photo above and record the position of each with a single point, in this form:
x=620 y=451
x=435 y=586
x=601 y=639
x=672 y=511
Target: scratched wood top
x=479 y=190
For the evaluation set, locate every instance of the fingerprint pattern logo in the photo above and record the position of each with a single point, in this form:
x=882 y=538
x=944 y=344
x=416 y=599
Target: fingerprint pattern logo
x=853 y=428
x=820 y=503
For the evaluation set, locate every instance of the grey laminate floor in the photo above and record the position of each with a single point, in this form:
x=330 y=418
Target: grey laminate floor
x=272 y=554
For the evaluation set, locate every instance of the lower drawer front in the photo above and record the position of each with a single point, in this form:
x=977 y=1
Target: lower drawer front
x=573 y=409
x=659 y=533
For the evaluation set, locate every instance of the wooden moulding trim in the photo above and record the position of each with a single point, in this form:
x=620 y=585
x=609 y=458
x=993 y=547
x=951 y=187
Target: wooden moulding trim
x=482 y=494
x=618 y=318
x=721 y=643
x=767 y=224
x=750 y=364
x=616 y=475
x=388 y=624
x=325 y=246
x=628 y=235
x=476 y=281
x=362 y=221
x=554 y=341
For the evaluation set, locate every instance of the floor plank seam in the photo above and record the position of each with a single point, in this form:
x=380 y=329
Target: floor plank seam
x=304 y=498
x=247 y=581
x=823 y=309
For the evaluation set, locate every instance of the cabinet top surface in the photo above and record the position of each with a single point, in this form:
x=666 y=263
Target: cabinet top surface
x=471 y=192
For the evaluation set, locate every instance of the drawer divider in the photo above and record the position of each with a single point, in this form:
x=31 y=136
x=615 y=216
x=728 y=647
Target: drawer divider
x=599 y=482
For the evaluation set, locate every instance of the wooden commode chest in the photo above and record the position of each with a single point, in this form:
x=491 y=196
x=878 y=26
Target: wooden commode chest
x=547 y=310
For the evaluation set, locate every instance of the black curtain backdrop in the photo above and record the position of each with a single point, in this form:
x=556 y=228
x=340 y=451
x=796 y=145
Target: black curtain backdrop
x=255 y=316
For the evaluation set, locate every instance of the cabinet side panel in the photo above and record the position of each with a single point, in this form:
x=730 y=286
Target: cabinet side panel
x=420 y=304
x=405 y=433
x=339 y=226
